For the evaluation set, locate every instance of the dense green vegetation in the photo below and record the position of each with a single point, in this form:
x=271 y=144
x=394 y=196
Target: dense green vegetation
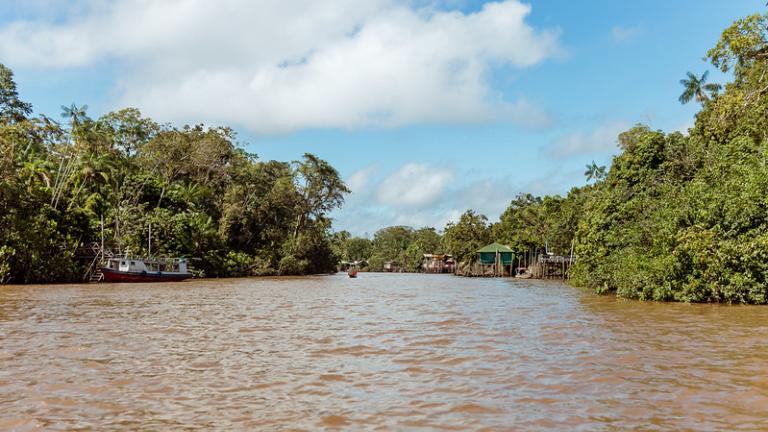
x=676 y=217
x=204 y=197
x=528 y=225
x=684 y=217
x=400 y=245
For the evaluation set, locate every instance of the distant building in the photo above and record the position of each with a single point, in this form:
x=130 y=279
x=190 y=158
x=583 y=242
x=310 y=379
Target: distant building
x=495 y=260
x=391 y=266
x=438 y=263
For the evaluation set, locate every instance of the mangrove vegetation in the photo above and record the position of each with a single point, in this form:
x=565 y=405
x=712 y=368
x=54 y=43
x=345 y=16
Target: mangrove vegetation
x=676 y=217
x=204 y=196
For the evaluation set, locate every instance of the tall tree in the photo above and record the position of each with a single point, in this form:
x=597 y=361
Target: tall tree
x=321 y=189
x=75 y=114
x=389 y=244
x=595 y=172
x=698 y=88
x=12 y=109
x=424 y=241
x=205 y=198
x=358 y=249
x=463 y=238
x=127 y=130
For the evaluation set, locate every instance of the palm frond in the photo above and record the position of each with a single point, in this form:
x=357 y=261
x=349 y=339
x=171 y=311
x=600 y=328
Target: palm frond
x=712 y=87
x=687 y=95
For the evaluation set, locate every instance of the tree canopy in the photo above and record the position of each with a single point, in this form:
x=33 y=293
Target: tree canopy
x=205 y=197
x=683 y=217
x=675 y=217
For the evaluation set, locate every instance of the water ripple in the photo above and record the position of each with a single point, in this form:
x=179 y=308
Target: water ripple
x=380 y=352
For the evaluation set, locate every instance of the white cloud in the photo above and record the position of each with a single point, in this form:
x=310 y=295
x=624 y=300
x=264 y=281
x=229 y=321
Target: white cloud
x=624 y=34
x=415 y=186
x=599 y=141
x=265 y=66
x=402 y=197
x=360 y=179
x=487 y=196
x=421 y=194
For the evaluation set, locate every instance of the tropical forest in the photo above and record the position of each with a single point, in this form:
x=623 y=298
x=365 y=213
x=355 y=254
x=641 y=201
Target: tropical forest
x=66 y=183
x=675 y=217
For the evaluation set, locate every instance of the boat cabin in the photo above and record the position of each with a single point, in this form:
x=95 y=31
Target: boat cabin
x=124 y=264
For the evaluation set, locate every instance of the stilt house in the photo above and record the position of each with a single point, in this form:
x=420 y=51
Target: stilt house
x=496 y=260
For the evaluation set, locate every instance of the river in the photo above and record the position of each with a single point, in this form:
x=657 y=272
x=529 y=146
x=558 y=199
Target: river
x=380 y=352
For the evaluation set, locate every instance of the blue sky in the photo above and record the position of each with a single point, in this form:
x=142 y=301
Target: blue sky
x=426 y=108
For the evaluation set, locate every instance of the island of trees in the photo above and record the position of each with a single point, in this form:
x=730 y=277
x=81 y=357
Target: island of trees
x=676 y=217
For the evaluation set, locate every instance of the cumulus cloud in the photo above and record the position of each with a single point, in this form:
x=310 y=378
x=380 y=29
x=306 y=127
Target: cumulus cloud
x=277 y=65
x=601 y=140
x=489 y=196
x=360 y=179
x=422 y=194
x=415 y=186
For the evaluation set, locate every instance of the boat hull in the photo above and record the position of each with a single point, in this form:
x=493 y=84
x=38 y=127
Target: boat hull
x=118 y=276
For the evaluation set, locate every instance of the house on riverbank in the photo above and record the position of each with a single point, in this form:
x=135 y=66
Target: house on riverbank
x=551 y=266
x=494 y=260
x=391 y=267
x=438 y=263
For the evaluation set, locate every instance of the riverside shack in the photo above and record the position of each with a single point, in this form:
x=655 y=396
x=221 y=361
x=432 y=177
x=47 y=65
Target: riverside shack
x=438 y=263
x=495 y=260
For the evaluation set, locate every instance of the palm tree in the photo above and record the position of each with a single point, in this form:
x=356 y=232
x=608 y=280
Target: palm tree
x=73 y=113
x=190 y=193
x=92 y=171
x=595 y=172
x=698 y=88
x=35 y=169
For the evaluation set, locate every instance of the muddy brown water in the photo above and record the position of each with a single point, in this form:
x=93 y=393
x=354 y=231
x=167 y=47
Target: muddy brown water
x=380 y=352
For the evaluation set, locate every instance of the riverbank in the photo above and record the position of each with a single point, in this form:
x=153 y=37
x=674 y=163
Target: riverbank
x=73 y=193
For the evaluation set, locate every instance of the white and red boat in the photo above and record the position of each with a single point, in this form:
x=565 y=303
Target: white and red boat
x=127 y=269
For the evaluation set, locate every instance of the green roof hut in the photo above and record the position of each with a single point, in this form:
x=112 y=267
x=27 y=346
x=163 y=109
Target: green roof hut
x=496 y=259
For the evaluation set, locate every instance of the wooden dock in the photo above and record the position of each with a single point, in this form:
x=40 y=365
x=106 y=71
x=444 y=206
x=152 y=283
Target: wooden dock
x=551 y=266
x=543 y=266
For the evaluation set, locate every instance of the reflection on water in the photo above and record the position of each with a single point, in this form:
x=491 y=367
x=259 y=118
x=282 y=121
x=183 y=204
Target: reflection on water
x=379 y=352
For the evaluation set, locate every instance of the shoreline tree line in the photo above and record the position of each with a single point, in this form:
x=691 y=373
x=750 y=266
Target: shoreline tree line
x=203 y=195
x=676 y=217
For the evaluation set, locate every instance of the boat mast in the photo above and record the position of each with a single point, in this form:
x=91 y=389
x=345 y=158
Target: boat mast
x=101 y=251
x=150 y=239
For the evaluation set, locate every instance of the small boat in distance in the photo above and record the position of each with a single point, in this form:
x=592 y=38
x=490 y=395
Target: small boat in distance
x=352 y=273
x=126 y=269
